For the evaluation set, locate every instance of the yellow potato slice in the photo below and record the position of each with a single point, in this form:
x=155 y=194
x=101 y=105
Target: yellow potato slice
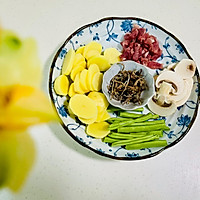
x=71 y=91
x=80 y=50
x=101 y=61
x=99 y=98
x=68 y=62
x=91 y=53
x=92 y=70
x=102 y=115
x=112 y=55
x=61 y=85
x=82 y=106
x=83 y=79
x=98 y=129
x=76 y=70
x=88 y=121
x=92 y=46
x=77 y=86
x=78 y=59
x=97 y=81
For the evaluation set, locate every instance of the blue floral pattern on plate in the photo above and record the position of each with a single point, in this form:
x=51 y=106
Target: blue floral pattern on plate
x=109 y=32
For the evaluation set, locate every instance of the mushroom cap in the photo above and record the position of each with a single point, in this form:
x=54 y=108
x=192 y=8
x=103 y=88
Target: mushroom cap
x=162 y=110
x=172 y=78
x=186 y=68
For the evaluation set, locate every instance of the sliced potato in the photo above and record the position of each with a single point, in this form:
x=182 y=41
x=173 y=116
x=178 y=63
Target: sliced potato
x=71 y=92
x=112 y=55
x=102 y=115
x=87 y=121
x=92 y=70
x=99 y=98
x=97 y=81
x=80 y=50
x=101 y=61
x=82 y=106
x=61 y=85
x=76 y=70
x=78 y=59
x=68 y=62
x=83 y=79
x=91 y=53
x=77 y=86
x=92 y=46
x=98 y=129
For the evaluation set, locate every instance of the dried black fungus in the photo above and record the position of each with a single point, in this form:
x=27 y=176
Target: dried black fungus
x=127 y=86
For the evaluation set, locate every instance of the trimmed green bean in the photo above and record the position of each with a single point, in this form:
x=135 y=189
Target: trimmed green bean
x=110 y=140
x=134 y=141
x=130 y=115
x=147 y=123
x=122 y=136
x=150 y=144
x=139 y=119
x=143 y=128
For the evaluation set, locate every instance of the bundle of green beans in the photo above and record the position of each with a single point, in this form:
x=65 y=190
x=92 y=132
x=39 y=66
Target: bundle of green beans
x=136 y=131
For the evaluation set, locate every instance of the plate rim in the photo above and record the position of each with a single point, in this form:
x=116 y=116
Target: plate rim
x=85 y=145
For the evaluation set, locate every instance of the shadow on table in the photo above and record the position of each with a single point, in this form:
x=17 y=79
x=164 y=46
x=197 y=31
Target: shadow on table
x=59 y=132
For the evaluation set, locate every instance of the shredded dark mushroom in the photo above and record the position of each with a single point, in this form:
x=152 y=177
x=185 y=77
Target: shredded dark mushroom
x=127 y=87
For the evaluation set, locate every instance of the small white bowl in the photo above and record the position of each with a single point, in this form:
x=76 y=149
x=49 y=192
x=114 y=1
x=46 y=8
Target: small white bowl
x=128 y=65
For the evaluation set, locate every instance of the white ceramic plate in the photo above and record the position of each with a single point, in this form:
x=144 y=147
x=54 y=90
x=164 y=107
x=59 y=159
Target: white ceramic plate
x=109 y=32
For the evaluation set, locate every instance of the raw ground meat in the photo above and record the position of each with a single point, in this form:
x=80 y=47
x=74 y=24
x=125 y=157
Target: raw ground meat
x=141 y=47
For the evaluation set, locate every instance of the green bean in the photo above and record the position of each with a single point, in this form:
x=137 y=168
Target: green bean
x=150 y=144
x=143 y=128
x=147 y=123
x=110 y=140
x=159 y=133
x=122 y=136
x=130 y=115
x=114 y=109
x=139 y=119
x=134 y=141
x=116 y=119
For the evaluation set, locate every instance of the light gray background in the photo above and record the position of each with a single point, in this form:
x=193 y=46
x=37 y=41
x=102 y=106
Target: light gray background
x=64 y=170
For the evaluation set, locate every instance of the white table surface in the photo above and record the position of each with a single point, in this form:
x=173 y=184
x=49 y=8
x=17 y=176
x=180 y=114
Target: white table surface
x=64 y=170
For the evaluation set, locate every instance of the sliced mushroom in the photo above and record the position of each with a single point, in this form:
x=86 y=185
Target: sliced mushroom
x=188 y=86
x=186 y=68
x=172 y=78
x=163 y=93
x=182 y=97
x=162 y=110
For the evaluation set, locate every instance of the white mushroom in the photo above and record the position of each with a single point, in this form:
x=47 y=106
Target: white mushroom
x=188 y=88
x=172 y=78
x=162 y=110
x=182 y=97
x=186 y=68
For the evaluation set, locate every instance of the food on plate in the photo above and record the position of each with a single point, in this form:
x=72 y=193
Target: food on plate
x=98 y=129
x=127 y=86
x=92 y=70
x=71 y=91
x=103 y=115
x=83 y=80
x=92 y=49
x=141 y=47
x=68 y=62
x=76 y=69
x=83 y=106
x=97 y=81
x=142 y=132
x=112 y=55
x=77 y=85
x=61 y=85
x=101 y=61
x=99 y=98
x=173 y=87
x=79 y=58
x=80 y=50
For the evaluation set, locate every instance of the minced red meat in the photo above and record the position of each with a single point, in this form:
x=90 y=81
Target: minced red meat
x=141 y=47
